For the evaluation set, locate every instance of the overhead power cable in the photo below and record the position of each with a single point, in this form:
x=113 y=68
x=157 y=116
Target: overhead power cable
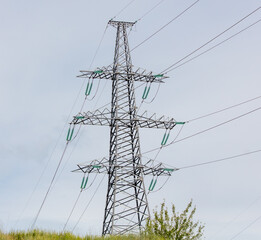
x=211 y=162
x=235 y=218
x=211 y=40
x=202 y=47
x=149 y=11
x=66 y=161
x=49 y=159
x=45 y=197
x=51 y=184
x=126 y=6
x=173 y=19
x=57 y=141
x=220 y=43
x=72 y=210
x=97 y=89
x=41 y=175
x=220 y=160
x=224 y=109
x=75 y=203
x=218 y=125
x=205 y=130
x=244 y=229
x=88 y=204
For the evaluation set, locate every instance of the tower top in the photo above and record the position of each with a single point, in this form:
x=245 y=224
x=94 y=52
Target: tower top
x=117 y=23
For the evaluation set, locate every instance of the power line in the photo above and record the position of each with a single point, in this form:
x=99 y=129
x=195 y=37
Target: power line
x=211 y=40
x=82 y=189
x=149 y=11
x=197 y=57
x=39 y=180
x=214 y=161
x=126 y=6
x=57 y=141
x=88 y=204
x=67 y=160
x=96 y=52
x=151 y=35
x=173 y=19
x=218 y=125
x=224 y=109
x=51 y=184
x=227 y=39
x=45 y=197
x=244 y=229
x=205 y=130
x=229 y=223
x=220 y=160
x=72 y=210
x=58 y=166
x=49 y=159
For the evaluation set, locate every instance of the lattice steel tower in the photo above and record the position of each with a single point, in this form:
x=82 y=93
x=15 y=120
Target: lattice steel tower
x=126 y=206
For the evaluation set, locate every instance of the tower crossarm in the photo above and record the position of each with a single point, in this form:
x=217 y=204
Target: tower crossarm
x=103 y=118
x=108 y=73
x=102 y=166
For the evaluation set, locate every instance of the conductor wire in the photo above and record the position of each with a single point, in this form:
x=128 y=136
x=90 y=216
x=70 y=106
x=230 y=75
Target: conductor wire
x=173 y=19
x=77 y=202
x=88 y=204
x=45 y=197
x=207 y=129
x=211 y=40
x=224 y=109
x=227 y=39
x=248 y=226
x=126 y=6
x=148 y=12
x=72 y=210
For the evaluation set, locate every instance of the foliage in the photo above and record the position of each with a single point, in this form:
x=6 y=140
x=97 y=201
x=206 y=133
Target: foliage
x=177 y=226
x=43 y=235
x=38 y=235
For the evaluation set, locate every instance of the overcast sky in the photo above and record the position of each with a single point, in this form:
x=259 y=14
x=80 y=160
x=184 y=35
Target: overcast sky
x=43 y=46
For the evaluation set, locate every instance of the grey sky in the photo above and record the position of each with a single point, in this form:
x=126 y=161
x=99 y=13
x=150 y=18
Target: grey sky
x=43 y=46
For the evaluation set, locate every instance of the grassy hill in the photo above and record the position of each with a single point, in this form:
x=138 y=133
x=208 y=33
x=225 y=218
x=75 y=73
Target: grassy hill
x=42 y=235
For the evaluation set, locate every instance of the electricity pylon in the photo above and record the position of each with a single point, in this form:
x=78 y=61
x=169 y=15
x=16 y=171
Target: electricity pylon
x=126 y=206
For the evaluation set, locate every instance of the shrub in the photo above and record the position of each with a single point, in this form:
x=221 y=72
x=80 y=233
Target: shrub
x=174 y=225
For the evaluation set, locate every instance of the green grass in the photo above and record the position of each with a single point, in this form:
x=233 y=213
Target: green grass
x=43 y=235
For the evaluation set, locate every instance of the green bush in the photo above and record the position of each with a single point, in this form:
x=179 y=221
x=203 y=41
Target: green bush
x=175 y=226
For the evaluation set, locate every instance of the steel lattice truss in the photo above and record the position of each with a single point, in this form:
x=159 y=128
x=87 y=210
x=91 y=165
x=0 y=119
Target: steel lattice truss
x=107 y=73
x=103 y=165
x=126 y=207
x=103 y=118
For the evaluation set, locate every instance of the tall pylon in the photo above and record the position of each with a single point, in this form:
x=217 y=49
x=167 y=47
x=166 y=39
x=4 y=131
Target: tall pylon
x=126 y=207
